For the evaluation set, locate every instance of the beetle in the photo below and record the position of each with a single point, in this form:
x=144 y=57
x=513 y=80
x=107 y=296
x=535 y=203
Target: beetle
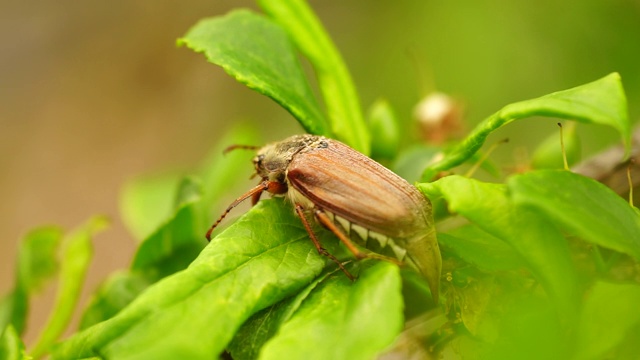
x=351 y=195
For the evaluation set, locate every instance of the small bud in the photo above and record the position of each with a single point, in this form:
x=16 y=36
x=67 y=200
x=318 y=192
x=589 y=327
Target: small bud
x=384 y=130
x=439 y=116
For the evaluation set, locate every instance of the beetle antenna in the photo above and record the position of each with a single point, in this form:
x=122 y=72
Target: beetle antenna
x=239 y=146
x=256 y=190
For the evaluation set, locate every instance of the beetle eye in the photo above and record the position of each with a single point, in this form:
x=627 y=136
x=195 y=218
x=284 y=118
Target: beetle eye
x=258 y=161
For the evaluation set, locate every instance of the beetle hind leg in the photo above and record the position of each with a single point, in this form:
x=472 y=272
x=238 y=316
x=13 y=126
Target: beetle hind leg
x=322 y=251
x=324 y=219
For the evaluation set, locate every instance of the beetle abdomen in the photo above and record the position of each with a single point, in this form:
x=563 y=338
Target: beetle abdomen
x=363 y=236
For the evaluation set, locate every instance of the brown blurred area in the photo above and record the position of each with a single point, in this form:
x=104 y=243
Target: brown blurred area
x=93 y=93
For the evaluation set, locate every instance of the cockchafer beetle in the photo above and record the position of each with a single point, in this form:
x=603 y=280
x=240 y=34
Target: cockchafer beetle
x=352 y=196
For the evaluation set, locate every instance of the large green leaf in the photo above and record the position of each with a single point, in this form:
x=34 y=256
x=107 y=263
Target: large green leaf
x=600 y=102
x=480 y=248
x=113 y=295
x=340 y=95
x=263 y=325
x=76 y=257
x=172 y=247
x=536 y=239
x=259 y=260
x=343 y=319
x=37 y=263
x=582 y=205
x=258 y=53
x=609 y=314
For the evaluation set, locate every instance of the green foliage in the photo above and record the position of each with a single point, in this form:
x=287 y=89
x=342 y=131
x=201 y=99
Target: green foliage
x=76 y=258
x=263 y=325
x=178 y=237
x=608 y=316
x=534 y=238
x=541 y=265
x=549 y=154
x=269 y=65
x=11 y=346
x=384 y=130
x=359 y=319
x=480 y=249
x=339 y=93
x=38 y=262
x=601 y=102
x=258 y=261
x=36 y=265
x=581 y=205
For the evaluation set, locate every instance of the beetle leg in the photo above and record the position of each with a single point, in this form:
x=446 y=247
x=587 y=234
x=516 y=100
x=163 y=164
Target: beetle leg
x=253 y=193
x=273 y=187
x=324 y=220
x=316 y=242
x=255 y=197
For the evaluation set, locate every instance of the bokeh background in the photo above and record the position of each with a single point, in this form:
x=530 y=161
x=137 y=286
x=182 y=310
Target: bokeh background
x=94 y=93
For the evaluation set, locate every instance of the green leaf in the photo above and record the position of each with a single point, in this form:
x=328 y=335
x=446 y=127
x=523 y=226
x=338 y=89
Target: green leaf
x=263 y=325
x=343 y=319
x=480 y=248
x=410 y=162
x=37 y=257
x=415 y=294
x=259 y=260
x=384 y=130
x=37 y=263
x=173 y=246
x=600 y=102
x=11 y=346
x=609 y=313
x=147 y=201
x=178 y=236
x=112 y=296
x=582 y=205
x=340 y=95
x=76 y=257
x=528 y=328
x=537 y=240
x=548 y=155
x=259 y=54
x=189 y=190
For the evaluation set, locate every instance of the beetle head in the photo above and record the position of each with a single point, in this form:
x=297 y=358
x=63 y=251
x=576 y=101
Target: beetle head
x=272 y=160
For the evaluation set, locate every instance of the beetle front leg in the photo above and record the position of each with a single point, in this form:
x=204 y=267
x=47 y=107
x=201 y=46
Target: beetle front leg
x=322 y=251
x=253 y=193
x=326 y=221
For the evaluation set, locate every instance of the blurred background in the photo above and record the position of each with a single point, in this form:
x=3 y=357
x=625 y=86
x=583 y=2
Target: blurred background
x=94 y=93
